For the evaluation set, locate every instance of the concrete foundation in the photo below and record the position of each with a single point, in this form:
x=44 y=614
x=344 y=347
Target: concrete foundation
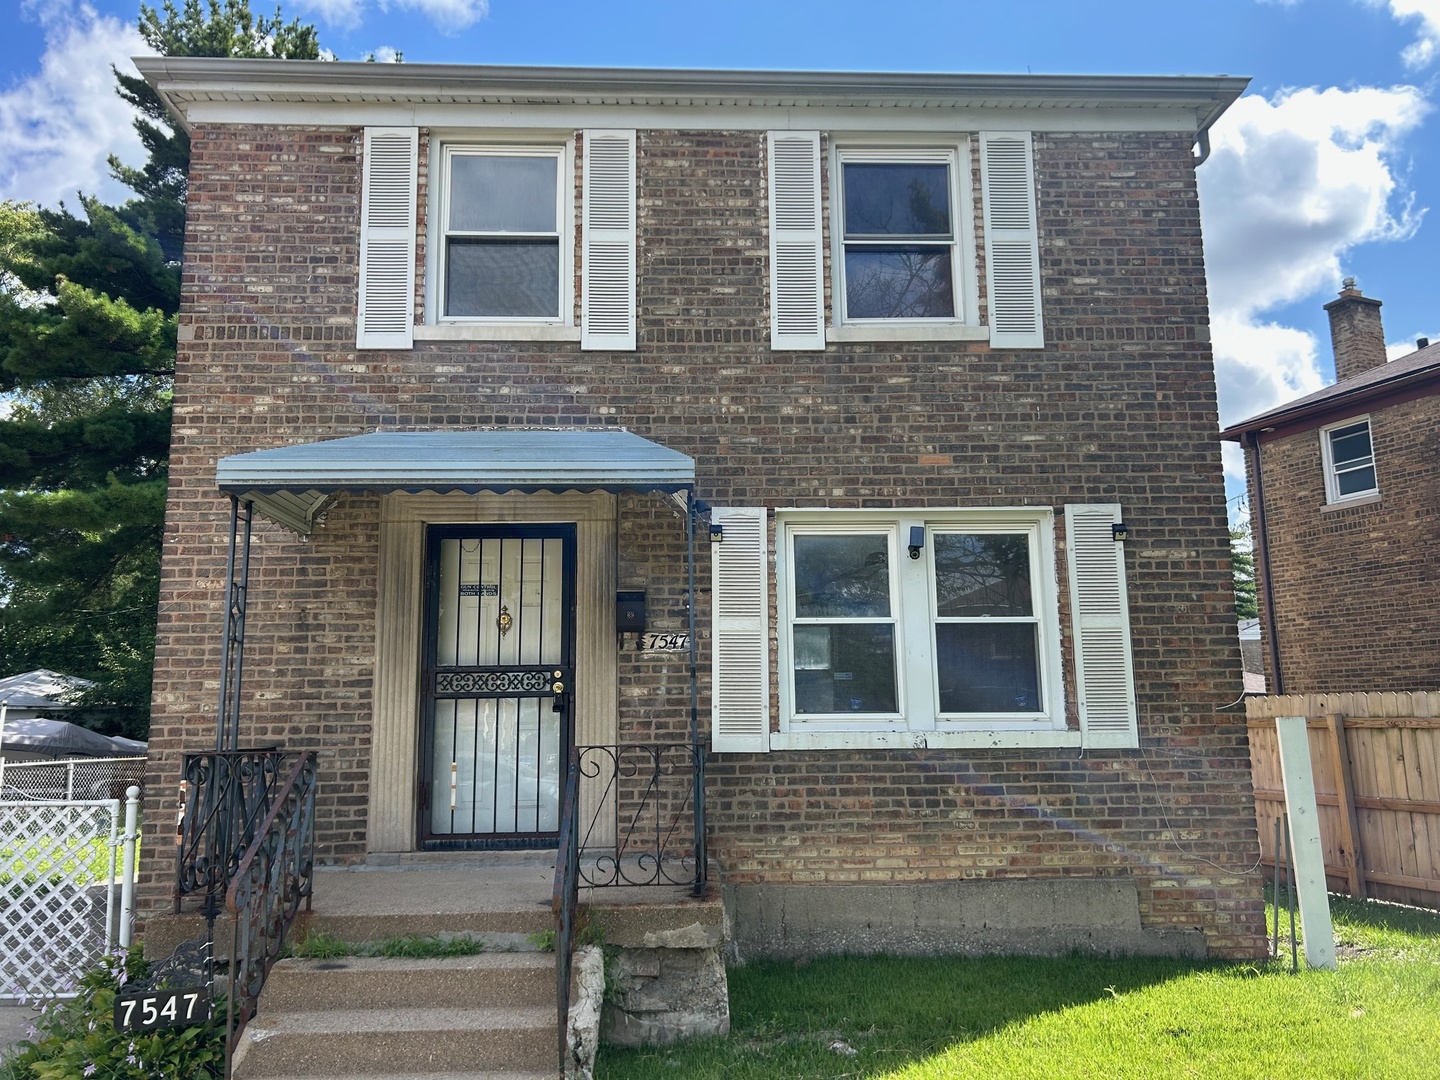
x=664 y=972
x=1030 y=917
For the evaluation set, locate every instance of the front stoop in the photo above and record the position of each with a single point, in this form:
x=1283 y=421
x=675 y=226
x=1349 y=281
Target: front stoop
x=466 y=1016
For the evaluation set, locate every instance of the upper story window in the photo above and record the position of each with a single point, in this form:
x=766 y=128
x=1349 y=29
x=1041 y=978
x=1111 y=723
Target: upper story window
x=906 y=239
x=503 y=214
x=1349 y=460
x=899 y=234
x=502 y=229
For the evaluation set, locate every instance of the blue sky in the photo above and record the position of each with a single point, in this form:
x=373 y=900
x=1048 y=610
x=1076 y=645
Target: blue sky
x=1330 y=164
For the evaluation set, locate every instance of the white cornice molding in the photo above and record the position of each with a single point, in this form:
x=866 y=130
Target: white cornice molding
x=200 y=89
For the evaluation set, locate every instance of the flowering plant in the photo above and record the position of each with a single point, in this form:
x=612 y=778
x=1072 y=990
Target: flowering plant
x=76 y=1038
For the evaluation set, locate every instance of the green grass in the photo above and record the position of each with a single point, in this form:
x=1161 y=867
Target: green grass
x=1084 y=1017
x=87 y=862
x=323 y=946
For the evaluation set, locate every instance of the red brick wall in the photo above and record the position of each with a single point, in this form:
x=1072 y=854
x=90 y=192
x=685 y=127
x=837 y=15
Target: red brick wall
x=1355 y=586
x=1119 y=407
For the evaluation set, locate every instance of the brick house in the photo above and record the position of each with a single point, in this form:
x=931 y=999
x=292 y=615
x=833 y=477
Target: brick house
x=478 y=345
x=1345 y=510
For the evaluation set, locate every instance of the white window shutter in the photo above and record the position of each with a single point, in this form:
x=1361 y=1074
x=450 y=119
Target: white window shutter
x=1100 y=616
x=386 y=315
x=740 y=637
x=1012 y=241
x=607 y=261
x=797 y=265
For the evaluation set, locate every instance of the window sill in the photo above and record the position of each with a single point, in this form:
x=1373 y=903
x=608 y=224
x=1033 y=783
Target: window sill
x=484 y=332
x=1346 y=504
x=868 y=332
x=921 y=740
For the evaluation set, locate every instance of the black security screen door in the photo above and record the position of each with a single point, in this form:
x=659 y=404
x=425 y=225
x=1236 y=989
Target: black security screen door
x=498 y=684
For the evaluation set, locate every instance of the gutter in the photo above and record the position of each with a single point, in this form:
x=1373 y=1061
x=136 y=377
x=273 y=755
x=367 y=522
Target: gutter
x=1261 y=535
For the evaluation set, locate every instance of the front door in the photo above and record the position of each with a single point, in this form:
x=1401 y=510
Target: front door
x=498 y=684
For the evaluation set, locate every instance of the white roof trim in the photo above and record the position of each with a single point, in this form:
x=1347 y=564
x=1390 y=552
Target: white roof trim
x=190 y=82
x=291 y=484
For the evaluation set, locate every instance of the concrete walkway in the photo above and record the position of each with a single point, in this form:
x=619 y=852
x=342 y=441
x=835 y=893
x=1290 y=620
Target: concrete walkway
x=14 y=1020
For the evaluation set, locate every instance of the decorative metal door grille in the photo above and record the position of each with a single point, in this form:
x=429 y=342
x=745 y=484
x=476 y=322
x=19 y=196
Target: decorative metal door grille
x=499 y=683
x=58 y=864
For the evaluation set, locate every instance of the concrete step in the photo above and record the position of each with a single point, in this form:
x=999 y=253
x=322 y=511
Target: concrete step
x=391 y=1042
x=357 y=982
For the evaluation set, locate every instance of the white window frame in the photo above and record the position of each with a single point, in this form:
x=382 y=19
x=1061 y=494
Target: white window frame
x=1332 y=472
x=954 y=152
x=919 y=721
x=440 y=326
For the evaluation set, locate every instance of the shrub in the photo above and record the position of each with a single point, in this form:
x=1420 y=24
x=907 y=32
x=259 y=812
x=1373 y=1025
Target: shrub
x=76 y=1039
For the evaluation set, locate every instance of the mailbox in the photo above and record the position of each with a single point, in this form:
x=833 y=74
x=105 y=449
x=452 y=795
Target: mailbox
x=630 y=612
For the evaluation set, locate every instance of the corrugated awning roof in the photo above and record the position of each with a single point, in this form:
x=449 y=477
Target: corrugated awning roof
x=290 y=484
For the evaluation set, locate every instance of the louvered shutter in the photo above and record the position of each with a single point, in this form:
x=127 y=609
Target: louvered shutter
x=797 y=266
x=1101 y=621
x=386 y=313
x=607 y=262
x=740 y=639
x=1012 y=242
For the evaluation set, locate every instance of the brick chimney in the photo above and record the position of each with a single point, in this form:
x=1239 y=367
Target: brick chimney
x=1355 y=332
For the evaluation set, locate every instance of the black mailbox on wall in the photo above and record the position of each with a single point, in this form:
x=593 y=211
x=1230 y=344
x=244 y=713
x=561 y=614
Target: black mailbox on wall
x=630 y=612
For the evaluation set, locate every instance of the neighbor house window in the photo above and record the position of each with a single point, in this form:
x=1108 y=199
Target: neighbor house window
x=1349 y=460
x=900 y=221
x=964 y=636
x=503 y=218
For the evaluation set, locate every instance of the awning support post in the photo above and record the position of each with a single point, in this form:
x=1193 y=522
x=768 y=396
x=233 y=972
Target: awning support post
x=697 y=752
x=232 y=651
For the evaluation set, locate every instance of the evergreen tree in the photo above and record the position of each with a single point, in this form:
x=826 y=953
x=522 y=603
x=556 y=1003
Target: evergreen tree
x=1242 y=564
x=88 y=308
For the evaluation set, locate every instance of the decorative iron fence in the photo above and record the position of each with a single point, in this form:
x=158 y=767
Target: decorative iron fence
x=272 y=879
x=650 y=797
x=224 y=797
x=78 y=778
x=64 y=904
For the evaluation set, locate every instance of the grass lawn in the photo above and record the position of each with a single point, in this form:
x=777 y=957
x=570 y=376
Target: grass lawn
x=1378 y=1016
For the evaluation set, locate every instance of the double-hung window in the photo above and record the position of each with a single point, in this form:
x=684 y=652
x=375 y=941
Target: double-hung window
x=899 y=220
x=503 y=222
x=957 y=633
x=1349 y=460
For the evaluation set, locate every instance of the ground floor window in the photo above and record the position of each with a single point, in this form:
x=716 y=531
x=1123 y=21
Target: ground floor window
x=931 y=620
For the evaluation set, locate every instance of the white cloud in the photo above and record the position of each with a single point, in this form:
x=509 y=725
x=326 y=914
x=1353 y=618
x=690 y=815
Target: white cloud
x=1396 y=349
x=386 y=54
x=449 y=16
x=1426 y=46
x=1293 y=183
x=344 y=14
x=58 y=126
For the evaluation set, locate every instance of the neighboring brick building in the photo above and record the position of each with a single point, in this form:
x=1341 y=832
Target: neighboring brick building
x=990 y=342
x=1345 y=511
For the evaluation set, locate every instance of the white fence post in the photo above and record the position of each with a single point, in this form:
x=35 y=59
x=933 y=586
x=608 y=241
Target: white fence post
x=127 y=867
x=1305 y=841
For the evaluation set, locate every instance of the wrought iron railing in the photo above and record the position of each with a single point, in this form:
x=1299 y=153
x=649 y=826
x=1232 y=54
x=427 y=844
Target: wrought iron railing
x=273 y=878
x=642 y=823
x=224 y=797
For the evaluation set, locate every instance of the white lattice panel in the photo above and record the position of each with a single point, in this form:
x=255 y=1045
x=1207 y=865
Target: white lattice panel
x=57 y=869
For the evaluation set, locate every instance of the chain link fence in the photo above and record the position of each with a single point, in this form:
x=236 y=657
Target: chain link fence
x=79 y=778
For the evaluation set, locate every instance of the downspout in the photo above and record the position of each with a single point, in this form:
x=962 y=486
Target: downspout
x=1202 y=139
x=697 y=754
x=1262 y=536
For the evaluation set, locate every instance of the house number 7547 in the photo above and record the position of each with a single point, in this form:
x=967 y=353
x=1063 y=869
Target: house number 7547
x=162 y=1009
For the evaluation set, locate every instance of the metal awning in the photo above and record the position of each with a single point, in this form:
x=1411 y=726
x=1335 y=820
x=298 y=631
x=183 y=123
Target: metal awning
x=290 y=484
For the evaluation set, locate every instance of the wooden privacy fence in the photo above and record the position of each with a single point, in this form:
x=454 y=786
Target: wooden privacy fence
x=1376 y=762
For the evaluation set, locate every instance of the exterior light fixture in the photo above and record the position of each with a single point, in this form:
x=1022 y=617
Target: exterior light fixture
x=1120 y=532
x=717 y=532
x=917 y=540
